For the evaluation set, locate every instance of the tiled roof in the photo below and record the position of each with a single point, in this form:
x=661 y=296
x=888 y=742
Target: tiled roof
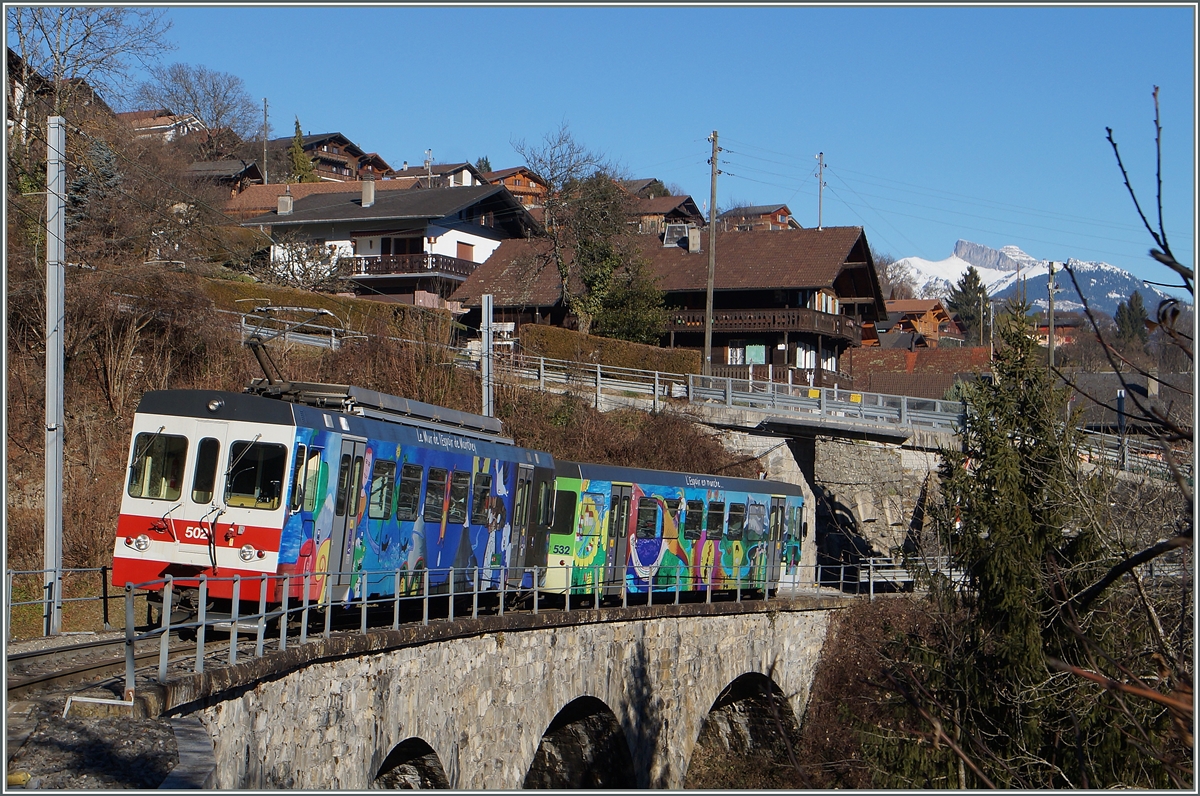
x=659 y=205
x=347 y=205
x=223 y=168
x=633 y=186
x=496 y=176
x=438 y=169
x=752 y=210
x=782 y=259
x=912 y=305
x=258 y=199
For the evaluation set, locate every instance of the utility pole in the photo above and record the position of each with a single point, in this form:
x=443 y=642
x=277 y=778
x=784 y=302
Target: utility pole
x=264 y=168
x=485 y=360
x=429 y=166
x=56 y=171
x=1050 y=289
x=712 y=260
x=820 y=185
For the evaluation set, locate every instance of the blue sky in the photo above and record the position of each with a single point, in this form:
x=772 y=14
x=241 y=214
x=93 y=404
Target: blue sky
x=937 y=123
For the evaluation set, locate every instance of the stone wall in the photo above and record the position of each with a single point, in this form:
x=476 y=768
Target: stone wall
x=483 y=702
x=875 y=487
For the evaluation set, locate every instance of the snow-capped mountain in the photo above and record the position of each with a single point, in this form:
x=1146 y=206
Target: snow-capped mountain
x=1008 y=269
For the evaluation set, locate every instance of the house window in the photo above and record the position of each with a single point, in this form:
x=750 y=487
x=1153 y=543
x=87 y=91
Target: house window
x=466 y=251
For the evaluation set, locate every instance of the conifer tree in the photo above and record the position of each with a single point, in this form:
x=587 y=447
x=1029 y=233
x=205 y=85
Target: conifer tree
x=301 y=163
x=1014 y=518
x=1131 y=320
x=969 y=299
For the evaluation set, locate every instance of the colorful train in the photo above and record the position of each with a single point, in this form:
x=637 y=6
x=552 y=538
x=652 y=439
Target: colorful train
x=369 y=494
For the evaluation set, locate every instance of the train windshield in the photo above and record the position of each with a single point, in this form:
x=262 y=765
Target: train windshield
x=157 y=469
x=255 y=477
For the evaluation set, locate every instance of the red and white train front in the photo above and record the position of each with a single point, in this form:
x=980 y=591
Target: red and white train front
x=205 y=491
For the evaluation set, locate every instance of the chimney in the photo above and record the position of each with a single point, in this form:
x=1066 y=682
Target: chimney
x=693 y=240
x=368 y=196
x=285 y=201
x=405 y=167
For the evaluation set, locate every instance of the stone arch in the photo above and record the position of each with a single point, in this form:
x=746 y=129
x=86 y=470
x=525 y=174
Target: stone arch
x=411 y=765
x=749 y=727
x=584 y=747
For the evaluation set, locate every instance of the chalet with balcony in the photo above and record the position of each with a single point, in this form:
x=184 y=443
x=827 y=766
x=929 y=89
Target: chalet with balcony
x=757 y=217
x=404 y=246
x=521 y=182
x=914 y=323
x=788 y=303
x=334 y=156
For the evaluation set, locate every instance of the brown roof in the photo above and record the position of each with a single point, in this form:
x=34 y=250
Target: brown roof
x=913 y=305
x=782 y=259
x=658 y=205
x=259 y=199
x=493 y=176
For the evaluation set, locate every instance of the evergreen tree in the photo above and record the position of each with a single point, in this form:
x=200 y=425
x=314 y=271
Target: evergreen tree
x=633 y=307
x=483 y=165
x=1131 y=320
x=969 y=299
x=301 y=163
x=94 y=180
x=1015 y=519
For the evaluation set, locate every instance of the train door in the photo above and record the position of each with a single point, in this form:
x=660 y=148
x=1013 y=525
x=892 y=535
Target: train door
x=775 y=540
x=345 y=514
x=521 y=524
x=618 y=538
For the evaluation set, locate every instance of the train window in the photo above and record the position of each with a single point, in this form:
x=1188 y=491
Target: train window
x=157 y=469
x=522 y=499
x=383 y=481
x=545 y=506
x=205 y=480
x=647 y=518
x=435 y=495
x=716 y=520
x=460 y=488
x=409 y=495
x=693 y=519
x=312 y=474
x=355 y=480
x=297 y=479
x=756 y=522
x=255 y=479
x=479 y=498
x=737 y=520
x=564 y=513
x=343 y=486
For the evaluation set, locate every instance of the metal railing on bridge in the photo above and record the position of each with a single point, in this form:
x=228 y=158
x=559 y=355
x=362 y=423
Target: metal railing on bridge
x=765 y=396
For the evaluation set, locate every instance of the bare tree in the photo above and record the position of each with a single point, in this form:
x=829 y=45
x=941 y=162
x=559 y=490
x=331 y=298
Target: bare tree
x=585 y=212
x=218 y=100
x=69 y=52
x=895 y=279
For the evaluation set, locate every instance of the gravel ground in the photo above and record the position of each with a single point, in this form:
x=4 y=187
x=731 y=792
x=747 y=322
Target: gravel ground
x=80 y=752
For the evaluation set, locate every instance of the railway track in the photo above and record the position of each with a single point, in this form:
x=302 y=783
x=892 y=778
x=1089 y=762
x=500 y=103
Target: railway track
x=56 y=666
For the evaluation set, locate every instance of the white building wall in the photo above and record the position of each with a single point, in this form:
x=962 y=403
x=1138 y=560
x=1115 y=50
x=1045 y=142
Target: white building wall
x=447 y=241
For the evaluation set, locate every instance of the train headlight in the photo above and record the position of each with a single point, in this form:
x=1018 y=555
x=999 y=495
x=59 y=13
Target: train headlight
x=215 y=404
x=142 y=543
x=247 y=552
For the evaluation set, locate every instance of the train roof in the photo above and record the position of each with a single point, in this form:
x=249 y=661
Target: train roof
x=608 y=472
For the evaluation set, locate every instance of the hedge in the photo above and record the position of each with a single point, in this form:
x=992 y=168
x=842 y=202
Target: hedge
x=554 y=342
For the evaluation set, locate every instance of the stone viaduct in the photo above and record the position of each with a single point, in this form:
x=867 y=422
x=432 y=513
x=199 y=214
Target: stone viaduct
x=614 y=697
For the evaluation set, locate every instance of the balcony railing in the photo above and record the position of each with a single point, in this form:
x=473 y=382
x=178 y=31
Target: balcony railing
x=769 y=320
x=389 y=264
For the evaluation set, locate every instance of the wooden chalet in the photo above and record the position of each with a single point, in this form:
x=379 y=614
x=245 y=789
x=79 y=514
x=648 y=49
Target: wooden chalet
x=334 y=156
x=652 y=216
x=521 y=182
x=913 y=323
x=757 y=217
x=793 y=300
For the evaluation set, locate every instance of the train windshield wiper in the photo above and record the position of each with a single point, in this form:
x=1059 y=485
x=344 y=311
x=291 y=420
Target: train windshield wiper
x=142 y=453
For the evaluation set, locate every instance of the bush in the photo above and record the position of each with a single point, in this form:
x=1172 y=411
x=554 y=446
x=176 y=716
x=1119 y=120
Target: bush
x=553 y=342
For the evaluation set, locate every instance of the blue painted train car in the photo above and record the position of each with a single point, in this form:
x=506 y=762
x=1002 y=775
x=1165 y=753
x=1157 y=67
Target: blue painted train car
x=310 y=478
